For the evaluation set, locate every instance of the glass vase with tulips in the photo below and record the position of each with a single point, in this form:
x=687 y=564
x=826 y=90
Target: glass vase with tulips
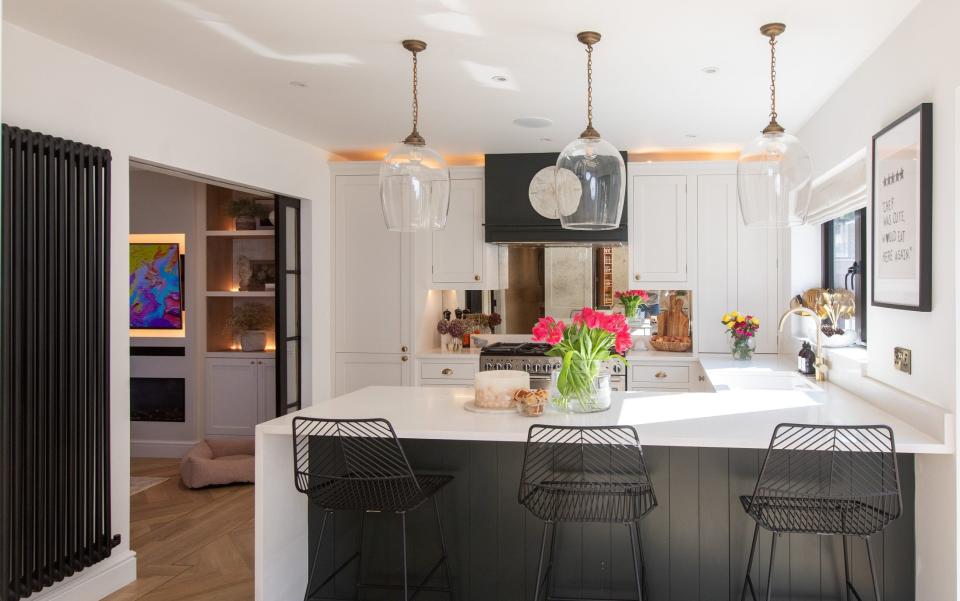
x=583 y=347
x=633 y=301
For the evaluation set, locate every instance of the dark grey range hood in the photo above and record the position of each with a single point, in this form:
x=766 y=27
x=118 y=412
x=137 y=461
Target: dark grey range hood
x=510 y=219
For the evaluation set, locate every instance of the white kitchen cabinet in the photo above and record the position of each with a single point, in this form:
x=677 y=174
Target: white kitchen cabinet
x=738 y=267
x=461 y=258
x=354 y=371
x=659 y=229
x=241 y=393
x=372 y=272
x=453 y=371
x=717 y=259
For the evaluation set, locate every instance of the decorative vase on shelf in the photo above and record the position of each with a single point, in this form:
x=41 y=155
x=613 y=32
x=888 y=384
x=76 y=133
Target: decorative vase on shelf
x=742 y=348
x=580 y=387
x=245 y=222
x=253 y=341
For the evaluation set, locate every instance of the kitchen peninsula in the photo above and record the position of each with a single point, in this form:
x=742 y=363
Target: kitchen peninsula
x=703 y=449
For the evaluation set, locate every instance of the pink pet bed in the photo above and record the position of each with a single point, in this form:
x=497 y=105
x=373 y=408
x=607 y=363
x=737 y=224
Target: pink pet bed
x=218 y=461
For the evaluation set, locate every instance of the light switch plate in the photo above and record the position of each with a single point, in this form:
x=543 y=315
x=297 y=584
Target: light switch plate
x=902 y=360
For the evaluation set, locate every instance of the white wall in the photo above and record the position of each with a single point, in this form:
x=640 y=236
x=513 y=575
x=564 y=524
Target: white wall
x=56 y=90
x=163 y=204
x=919 y=62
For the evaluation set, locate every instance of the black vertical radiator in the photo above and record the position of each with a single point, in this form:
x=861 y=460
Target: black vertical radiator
x=54 y=361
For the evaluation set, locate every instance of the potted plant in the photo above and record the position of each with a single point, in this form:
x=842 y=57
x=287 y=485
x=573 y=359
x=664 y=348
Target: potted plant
x=249 y=322
x=743 y=332
x=246 y=211
x=579 y=386
x=633 y=301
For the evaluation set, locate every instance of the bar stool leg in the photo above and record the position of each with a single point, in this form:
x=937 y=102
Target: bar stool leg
x=443 y=550
x=873 y=573
x=643 y=564
x=316 y=556
x=637 y=561
x=540 y=568
x=773 y=555
x=403 y=536
x=846 y=570
x=747 y=582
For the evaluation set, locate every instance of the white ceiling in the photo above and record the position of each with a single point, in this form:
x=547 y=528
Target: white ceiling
x=650 y=91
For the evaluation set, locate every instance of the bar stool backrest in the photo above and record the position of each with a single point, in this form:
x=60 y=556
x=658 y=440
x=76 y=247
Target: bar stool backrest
x=851 y=464
x=571 y=455
x=362 y=457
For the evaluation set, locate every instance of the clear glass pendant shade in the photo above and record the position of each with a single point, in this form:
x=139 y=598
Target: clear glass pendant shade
x=773 y=181
x=414 y=189
x=601 y=175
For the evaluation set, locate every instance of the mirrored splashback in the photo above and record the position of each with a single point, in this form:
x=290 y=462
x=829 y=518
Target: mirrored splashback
x=550 y=280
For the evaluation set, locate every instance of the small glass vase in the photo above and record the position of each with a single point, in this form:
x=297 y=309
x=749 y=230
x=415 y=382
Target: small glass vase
x=587 y=388
x=742 y=348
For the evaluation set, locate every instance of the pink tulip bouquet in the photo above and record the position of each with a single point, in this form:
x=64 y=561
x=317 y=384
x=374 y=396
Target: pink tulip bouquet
x=583 y=346
x=632 y=301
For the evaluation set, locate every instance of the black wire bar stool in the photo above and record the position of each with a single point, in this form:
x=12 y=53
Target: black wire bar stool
x=825 y=480
x=359 y=465
x=585 y=474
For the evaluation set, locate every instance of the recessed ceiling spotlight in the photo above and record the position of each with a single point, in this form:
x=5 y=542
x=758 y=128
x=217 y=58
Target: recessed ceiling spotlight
x=298 y=84
x=691 y=135
x=532 y=122
x=499 y=78
x=711 y=70
x=546 y=139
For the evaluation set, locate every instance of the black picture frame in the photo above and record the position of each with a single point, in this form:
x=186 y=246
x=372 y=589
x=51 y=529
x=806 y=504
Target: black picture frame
x=924 y=218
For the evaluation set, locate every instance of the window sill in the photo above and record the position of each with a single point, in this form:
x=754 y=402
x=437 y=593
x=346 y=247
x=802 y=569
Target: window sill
x=848 y=358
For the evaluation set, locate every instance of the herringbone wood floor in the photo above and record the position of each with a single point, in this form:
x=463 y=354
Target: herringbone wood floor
x=190 y=544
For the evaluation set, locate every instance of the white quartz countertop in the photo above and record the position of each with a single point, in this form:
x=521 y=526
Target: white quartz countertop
x=750 y=400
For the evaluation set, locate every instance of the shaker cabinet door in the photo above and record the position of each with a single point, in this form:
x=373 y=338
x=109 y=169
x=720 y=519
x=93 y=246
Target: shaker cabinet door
x=717 y=259
x=458 y=249
x=232 y=397
x=658 y=233
x=372 y=272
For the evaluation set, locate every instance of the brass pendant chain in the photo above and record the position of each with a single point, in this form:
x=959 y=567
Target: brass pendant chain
x=773 y=80
x=589 y=86
x=416 y=103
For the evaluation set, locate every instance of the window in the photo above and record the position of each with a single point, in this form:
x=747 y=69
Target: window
x=845 y=261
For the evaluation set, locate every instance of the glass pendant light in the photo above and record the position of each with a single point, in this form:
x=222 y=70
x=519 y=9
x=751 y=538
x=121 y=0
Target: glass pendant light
x=414 y=179
x=773 y=173
x=598 y=167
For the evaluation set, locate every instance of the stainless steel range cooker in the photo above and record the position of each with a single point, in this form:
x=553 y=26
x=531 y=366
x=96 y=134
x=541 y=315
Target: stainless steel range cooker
x=531 y=357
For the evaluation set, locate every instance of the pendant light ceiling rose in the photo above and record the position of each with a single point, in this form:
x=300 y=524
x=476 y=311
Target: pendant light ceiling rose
x=414 y=45
x=772 y=30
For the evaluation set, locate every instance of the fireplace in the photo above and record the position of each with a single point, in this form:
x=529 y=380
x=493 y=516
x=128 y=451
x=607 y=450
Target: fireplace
x=157 y=399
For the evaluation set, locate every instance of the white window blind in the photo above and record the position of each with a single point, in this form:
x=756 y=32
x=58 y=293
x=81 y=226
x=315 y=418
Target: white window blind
x=840 y=190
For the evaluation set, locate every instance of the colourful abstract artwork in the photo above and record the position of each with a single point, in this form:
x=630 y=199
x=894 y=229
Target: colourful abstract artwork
x=155 y=286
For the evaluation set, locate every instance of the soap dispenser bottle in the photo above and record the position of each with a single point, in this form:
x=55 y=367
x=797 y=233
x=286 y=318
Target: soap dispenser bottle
x=806 y=360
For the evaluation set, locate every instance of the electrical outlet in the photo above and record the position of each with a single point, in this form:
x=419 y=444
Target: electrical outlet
x=902 y=360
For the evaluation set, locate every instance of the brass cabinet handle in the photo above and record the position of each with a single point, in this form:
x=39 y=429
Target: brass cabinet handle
x=476 y=277
x=446 y=371
x=660 y=375
x=253 y=363
x=636 y=276
x=701 y=378
x=404 y=358
x=403 y=349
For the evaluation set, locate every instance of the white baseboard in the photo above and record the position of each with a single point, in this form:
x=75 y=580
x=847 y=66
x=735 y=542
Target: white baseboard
x=173 y=449
x=95 y=582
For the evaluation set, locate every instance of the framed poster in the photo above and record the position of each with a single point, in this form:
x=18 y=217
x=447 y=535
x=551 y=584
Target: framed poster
x=902 y=218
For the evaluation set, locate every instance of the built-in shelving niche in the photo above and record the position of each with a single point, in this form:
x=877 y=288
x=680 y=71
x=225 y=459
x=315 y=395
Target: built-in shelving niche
x=226 y=249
